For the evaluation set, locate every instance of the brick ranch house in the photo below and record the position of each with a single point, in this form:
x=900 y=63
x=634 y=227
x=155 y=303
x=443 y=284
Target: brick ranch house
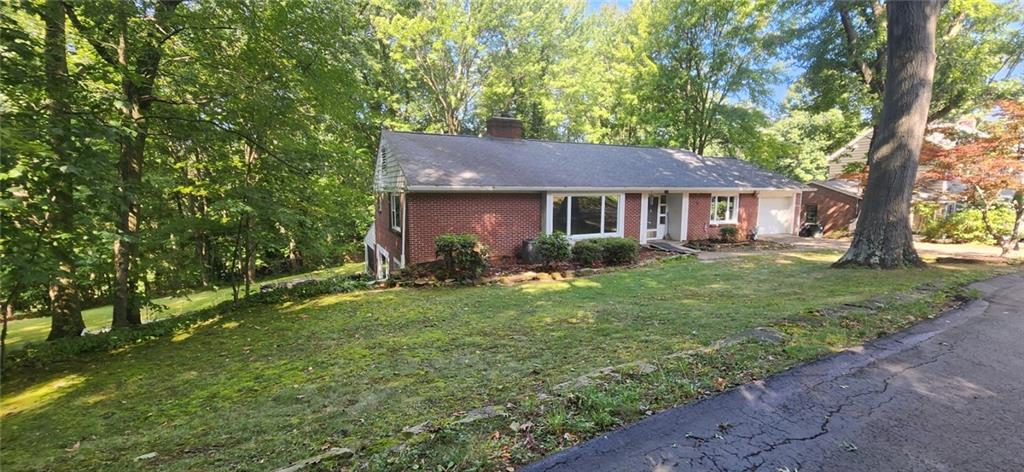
x=508 y=190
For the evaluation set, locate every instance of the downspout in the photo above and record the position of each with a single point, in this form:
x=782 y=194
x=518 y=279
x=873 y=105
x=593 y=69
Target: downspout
x=405 y=227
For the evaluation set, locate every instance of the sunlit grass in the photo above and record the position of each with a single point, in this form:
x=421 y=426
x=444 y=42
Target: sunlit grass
x=24 y=331
x=260 y=388
x=39 y=395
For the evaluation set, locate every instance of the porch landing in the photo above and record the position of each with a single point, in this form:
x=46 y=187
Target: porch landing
x=670 y=246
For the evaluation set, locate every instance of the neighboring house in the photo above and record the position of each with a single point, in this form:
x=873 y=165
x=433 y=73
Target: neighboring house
x=508 y=190
x=835 y=203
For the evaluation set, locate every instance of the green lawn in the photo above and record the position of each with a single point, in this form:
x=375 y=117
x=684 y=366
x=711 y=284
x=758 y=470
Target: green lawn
x=259 y=389
x=28 y=330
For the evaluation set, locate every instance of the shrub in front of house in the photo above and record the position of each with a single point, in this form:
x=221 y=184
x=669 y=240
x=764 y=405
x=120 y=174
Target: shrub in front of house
x=587 y=253
x=967 y=226
x=618 y=251
x=553 y=248
x=729 y=234
x=463 y=256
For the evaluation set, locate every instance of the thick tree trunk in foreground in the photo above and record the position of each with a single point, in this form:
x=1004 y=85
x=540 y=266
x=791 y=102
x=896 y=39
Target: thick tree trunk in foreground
x=140 y=65
x=65 y=309
x=883 y=237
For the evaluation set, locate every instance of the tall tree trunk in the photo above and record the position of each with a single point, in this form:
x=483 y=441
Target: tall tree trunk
x=235 y=264
x=126 y=302
x=294 y=257
x=139 y=67
x=65 y=307
x=251 y=155
x=7 y=311
x=203 y=255
x=250 y=257
x=883 y=237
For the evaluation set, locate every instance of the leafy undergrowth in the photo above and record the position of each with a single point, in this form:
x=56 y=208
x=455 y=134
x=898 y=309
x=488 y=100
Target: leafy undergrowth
x=36 y=355
x=32 y=330
x=262 y=387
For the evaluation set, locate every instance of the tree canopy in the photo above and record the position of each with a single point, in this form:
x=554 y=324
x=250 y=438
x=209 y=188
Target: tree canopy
x=158 y=145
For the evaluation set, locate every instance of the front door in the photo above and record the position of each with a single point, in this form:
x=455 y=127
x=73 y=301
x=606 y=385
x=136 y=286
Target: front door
x=657 y=216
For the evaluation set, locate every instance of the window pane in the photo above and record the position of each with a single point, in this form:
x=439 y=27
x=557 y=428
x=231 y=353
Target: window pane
x=611 y=214
x=811 y=213
x=586 y=215
x=723 y=208
x=559 y=208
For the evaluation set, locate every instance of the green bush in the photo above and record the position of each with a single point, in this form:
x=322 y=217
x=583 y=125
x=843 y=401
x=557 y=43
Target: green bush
x=463 y=256
x=587 y=253
x=46 y=353
x=729 y=233
x=554 y=247
x=617 y=251
x=966 y=226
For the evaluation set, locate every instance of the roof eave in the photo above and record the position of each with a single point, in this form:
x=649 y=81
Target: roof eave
x=496 y=188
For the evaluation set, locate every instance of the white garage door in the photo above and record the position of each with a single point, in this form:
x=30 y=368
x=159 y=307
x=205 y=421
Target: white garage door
x=775 y=215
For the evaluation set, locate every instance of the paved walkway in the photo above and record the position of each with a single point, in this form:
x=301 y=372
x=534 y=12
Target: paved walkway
x=819 y=244
x=944 y=395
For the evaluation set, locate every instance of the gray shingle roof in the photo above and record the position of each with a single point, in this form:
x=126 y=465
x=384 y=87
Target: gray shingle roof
x=847 y=187
x=440 y=161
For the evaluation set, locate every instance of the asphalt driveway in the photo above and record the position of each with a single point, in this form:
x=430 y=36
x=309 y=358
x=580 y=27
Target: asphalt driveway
x=944 y=395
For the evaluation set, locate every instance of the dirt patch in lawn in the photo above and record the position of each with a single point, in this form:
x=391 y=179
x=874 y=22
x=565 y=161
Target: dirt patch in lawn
x=737 y=246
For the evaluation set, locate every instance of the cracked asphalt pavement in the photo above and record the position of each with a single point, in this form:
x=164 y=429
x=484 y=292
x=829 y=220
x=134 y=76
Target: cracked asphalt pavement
x=944 y=395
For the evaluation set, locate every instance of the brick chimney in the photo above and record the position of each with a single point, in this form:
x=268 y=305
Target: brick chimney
x=504 y=127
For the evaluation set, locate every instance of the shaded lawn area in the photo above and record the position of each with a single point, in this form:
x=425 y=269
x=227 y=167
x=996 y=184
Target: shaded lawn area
x=262 y=388
x=20 y=332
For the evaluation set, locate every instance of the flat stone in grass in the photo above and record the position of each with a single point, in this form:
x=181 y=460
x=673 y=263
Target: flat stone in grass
x=146 y=456
x=517 y=278
x=489 y=411
x=608 y=373
x=331 y=454
x=410 y=431
x=764 y=335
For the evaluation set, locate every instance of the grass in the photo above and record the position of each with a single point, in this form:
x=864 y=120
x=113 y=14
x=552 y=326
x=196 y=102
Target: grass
x=23 y=331
x=261 y=388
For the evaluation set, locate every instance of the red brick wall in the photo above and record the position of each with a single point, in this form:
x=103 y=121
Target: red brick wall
x=632 y=215
x=698 y=220
x=748 y=214
x=386 y=237
x=836 y=211
x=698 y=216
x=502 y=221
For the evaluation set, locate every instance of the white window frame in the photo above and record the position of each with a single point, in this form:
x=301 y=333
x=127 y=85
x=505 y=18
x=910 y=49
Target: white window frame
x=395 y=211
x=620 y=212
x=733 y=217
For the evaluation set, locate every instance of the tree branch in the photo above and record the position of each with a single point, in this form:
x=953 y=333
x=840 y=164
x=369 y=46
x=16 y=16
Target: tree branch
x=852 y=38
x=105 y=53
x=248 y=139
